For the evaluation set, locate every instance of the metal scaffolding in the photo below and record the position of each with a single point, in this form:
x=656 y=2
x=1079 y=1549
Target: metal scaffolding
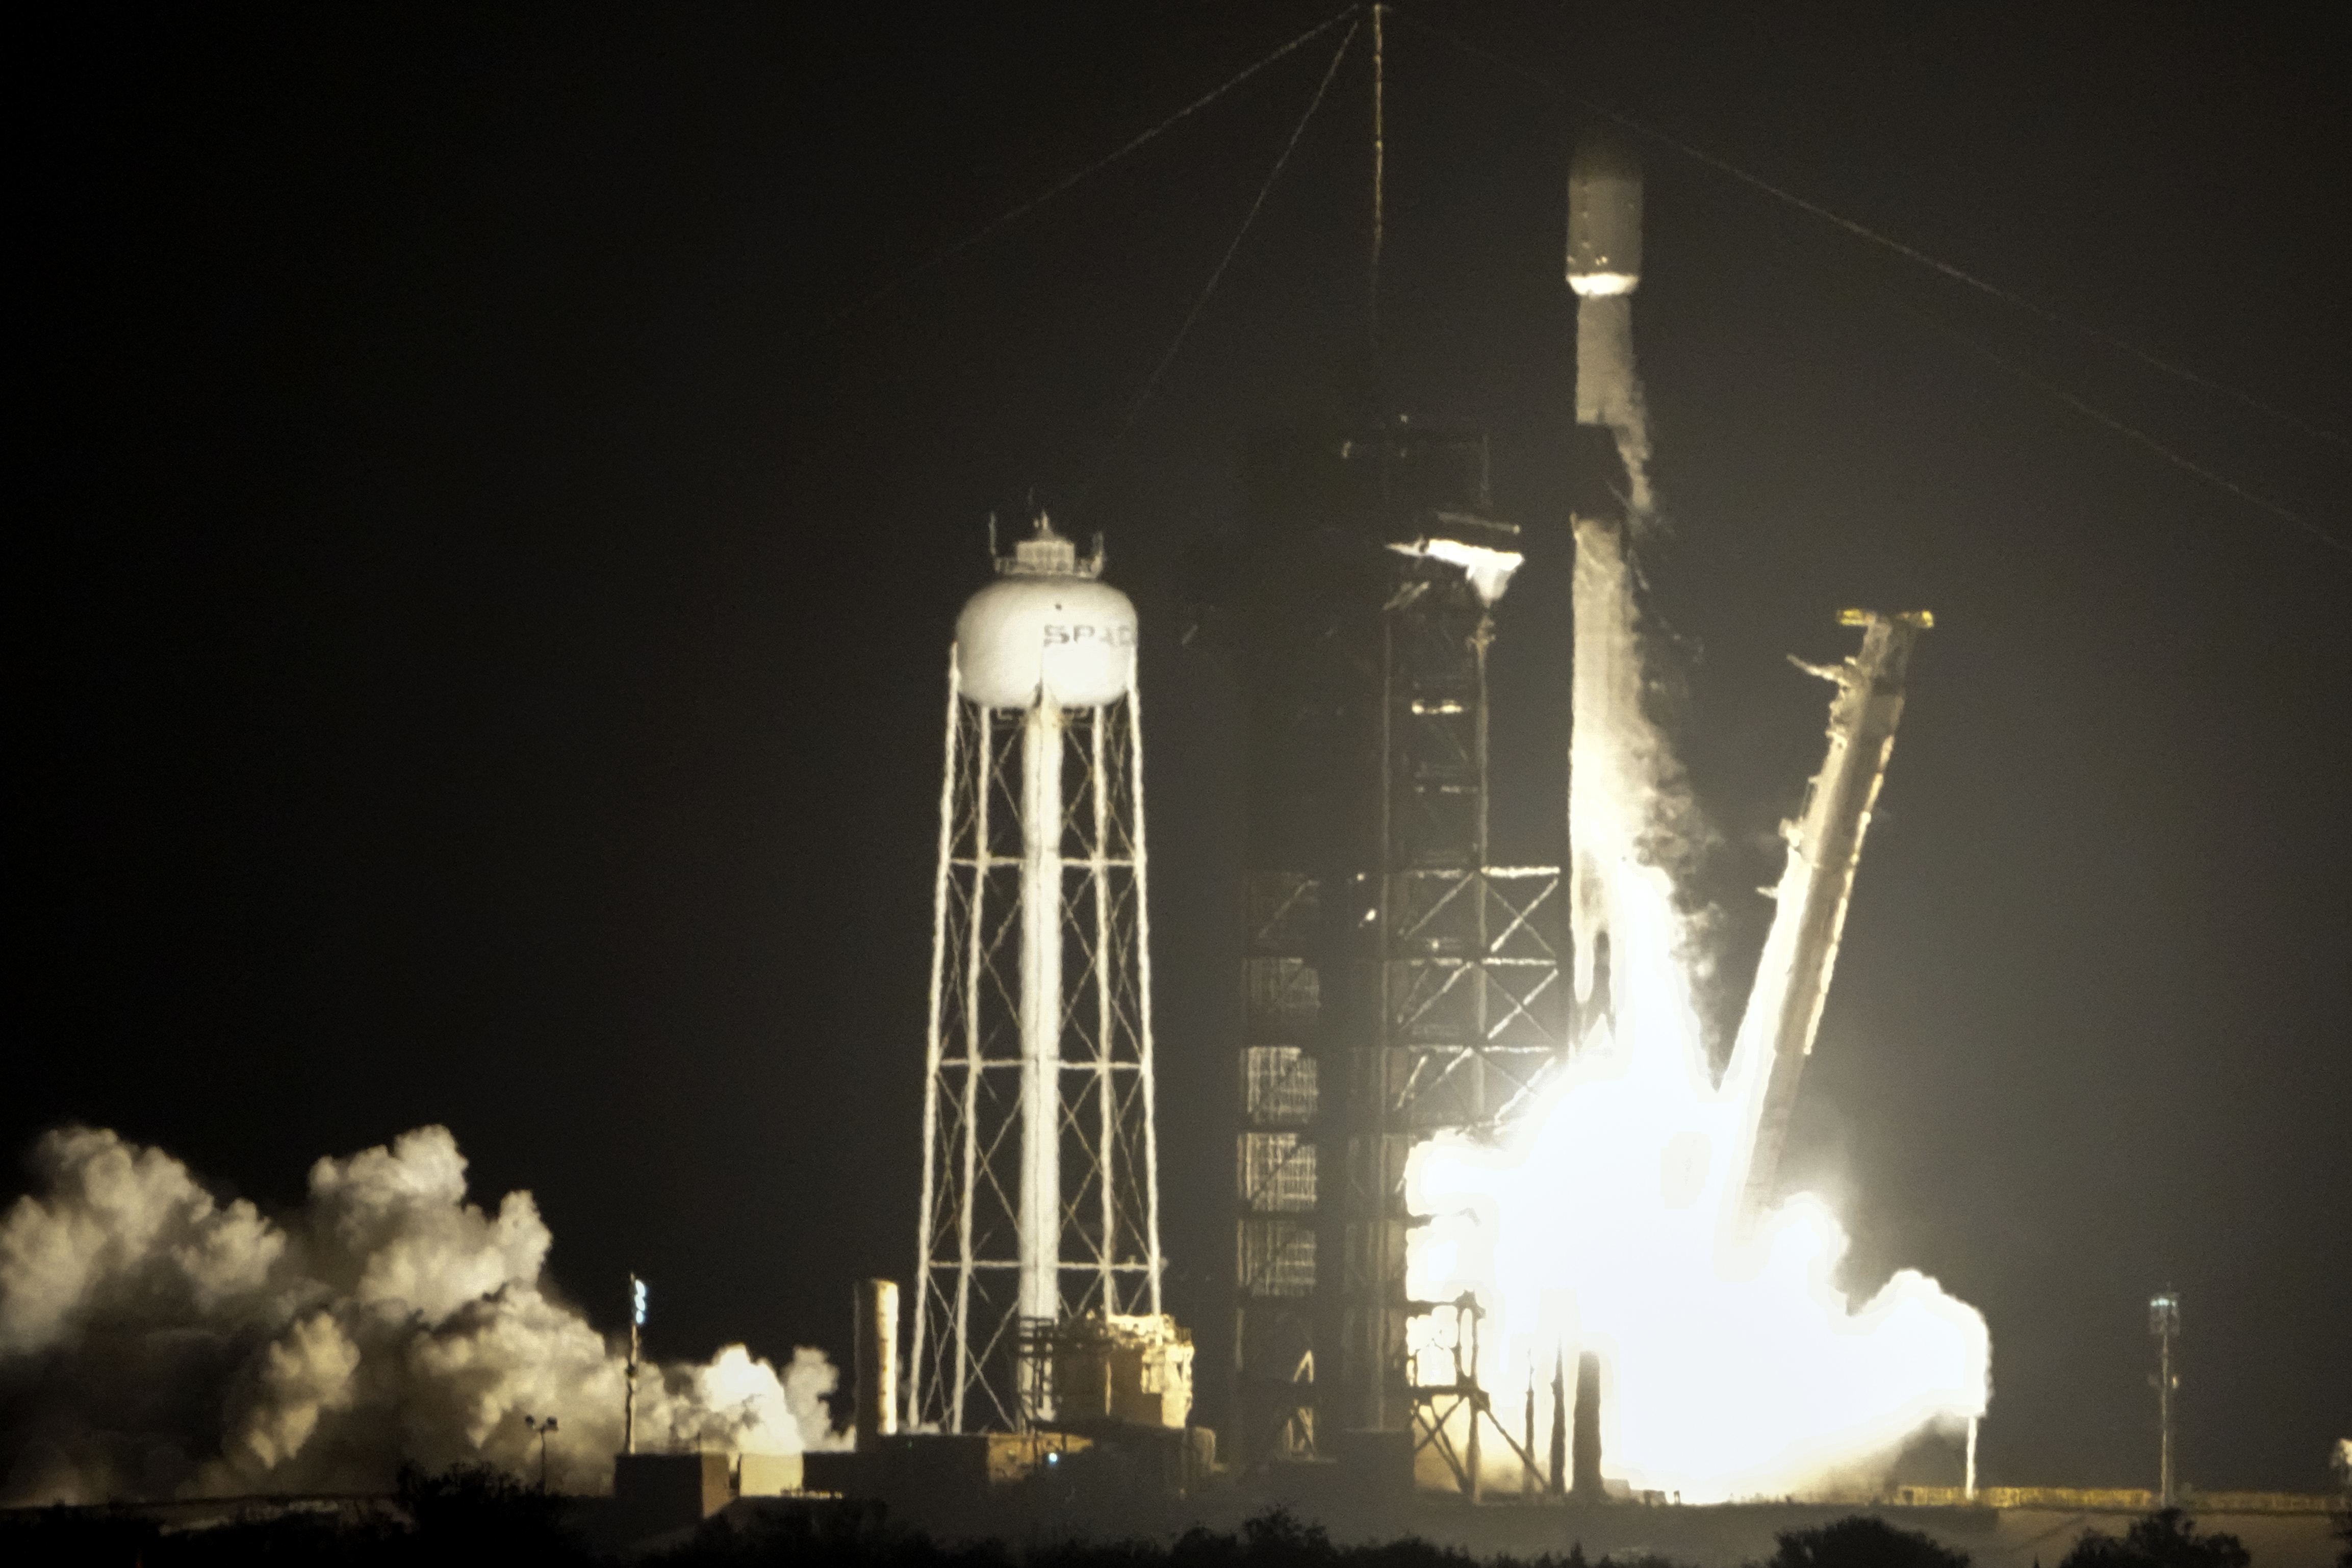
x=1472 y=1016
x=1396 y=983
x=1451 y=1413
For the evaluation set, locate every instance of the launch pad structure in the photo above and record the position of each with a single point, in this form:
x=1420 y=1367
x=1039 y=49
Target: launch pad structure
x=1397 y=981
x=1400 y=982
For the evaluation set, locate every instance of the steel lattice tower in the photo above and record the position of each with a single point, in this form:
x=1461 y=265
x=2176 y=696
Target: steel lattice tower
x=1396 y=982
x=1040 y=1195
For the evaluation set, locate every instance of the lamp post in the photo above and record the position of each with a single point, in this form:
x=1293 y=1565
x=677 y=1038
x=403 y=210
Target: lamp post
x=542 y=1428
x=2164 y=1324
x=629 y=1389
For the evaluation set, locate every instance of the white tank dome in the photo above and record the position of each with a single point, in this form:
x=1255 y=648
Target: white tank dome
x=1047 y=629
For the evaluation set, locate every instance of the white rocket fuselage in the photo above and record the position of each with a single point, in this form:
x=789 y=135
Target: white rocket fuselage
x=1604 y=268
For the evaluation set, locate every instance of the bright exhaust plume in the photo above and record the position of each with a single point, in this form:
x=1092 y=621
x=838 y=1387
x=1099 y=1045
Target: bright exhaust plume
x=1608 y=1220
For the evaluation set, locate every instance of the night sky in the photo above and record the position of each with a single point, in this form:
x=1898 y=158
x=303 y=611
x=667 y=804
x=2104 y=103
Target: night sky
x=483 y=610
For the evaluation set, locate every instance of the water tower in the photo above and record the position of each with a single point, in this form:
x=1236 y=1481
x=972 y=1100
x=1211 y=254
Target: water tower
x=1041 y=1195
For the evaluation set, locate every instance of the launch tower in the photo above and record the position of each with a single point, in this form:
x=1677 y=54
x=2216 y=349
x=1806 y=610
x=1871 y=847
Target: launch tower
x=1040 y=1188
x=1396 y=982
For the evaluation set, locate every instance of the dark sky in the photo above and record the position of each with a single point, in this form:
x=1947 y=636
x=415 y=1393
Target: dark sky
x=484 y=630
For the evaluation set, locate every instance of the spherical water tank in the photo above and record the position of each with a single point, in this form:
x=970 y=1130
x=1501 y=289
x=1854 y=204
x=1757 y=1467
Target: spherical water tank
x=1069 y=639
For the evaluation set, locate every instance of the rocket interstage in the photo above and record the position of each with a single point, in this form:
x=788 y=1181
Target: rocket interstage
x=1040 y=1196
x=1604 y=268
x=1604 y=219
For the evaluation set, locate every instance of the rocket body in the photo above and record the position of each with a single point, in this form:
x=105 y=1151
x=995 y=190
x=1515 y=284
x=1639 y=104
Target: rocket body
x=1604 y=268
x=1604 y=219
x=1611 y=746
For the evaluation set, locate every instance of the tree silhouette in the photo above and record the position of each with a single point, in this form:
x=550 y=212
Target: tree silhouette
x=2165 y=1540
x=1862 y=1542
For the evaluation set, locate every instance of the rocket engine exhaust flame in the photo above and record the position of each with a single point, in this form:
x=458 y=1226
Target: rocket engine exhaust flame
x=156 y=1342
x=1624 y=1225
x=1612 y=1221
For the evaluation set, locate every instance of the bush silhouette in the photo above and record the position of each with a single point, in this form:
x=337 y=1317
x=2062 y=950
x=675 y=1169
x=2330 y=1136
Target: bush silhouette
x=2165 y=1540
x=482 y=1509
x=1862 y=1542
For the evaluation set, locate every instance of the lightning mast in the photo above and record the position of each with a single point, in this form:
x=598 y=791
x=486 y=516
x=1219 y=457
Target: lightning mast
x=2163 y=1326
x=1040 y=1188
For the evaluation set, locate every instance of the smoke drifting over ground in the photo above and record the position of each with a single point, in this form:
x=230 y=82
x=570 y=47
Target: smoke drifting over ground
x=154 y=1340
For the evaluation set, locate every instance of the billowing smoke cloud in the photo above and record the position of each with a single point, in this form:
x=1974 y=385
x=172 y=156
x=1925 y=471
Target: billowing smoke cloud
x=157 y=1341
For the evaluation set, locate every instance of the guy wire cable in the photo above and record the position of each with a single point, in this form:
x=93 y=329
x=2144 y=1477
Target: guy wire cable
x=2119 y=427
x=948 y=252
x=1151 y=381
x=1380 y=190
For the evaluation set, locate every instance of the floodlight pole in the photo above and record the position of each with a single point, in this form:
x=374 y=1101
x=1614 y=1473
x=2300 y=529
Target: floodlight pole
x=542 y=1428
x=629 y=1387
x=2164 y=1322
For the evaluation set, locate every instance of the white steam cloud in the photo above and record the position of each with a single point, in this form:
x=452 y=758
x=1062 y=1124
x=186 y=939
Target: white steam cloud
x=155 y=1341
